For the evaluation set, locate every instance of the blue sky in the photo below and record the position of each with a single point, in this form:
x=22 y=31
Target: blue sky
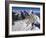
x=35 y=10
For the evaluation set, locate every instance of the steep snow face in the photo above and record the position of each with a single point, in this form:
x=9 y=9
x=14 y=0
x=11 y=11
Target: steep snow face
x=26 y=24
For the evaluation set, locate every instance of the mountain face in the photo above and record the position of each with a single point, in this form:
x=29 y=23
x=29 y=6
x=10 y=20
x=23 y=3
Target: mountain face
x=22 y=20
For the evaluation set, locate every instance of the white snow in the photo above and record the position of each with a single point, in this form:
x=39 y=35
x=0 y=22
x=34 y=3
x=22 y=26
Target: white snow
x=22 y=25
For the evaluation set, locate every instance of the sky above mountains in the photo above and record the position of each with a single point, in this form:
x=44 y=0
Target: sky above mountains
x=34 y=9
